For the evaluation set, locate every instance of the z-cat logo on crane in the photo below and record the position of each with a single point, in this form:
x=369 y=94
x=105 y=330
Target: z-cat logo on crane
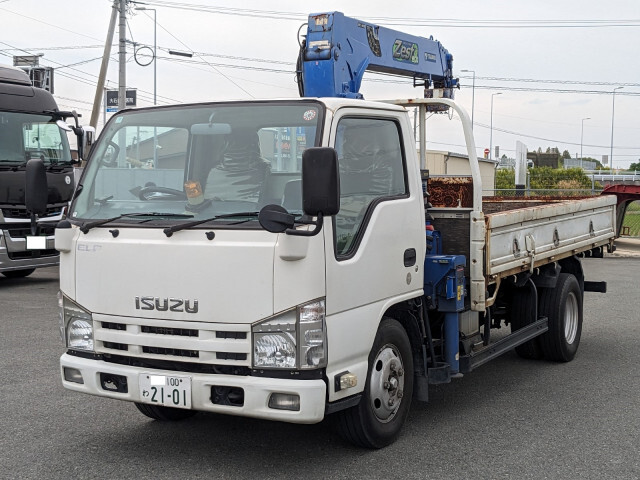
x=405 y=51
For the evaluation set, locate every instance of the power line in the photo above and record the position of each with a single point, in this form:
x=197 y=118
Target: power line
x=66 y=47
x=205 y=61
x=76 y=77
x=511 y=132
x=568 y=82
x=49 y=24
x=418 y=22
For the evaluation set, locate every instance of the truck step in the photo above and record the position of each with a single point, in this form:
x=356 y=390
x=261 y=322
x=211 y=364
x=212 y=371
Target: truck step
x=493 y=350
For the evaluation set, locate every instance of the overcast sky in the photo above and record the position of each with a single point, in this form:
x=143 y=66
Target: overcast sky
x=585 y=44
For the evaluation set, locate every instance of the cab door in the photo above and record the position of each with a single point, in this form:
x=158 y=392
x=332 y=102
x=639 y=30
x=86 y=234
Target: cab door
x=375 y=244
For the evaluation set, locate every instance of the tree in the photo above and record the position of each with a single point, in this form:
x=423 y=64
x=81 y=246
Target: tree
x=635 y=166
x=566 y=155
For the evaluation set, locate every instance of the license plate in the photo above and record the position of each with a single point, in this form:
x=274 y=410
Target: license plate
x=36 y=243
x=167 y=390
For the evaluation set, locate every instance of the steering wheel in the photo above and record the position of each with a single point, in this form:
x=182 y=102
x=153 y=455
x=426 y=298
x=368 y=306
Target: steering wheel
x=113 y=159
x=37 y=154
x=146 y=192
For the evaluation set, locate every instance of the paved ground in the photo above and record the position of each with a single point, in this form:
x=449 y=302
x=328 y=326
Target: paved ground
x=510 y=419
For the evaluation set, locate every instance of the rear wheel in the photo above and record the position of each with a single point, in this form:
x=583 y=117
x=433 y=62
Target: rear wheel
x=158 y=412
x=19 y=273
x=562 y=306
x=523 y=313
x=377 y=420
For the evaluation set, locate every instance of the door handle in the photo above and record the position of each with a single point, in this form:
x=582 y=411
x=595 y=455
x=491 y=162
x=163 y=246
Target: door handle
x=409 y=257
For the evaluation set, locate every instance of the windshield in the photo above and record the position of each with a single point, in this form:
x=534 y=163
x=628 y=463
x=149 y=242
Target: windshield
x=26 y=135
x=202 y=161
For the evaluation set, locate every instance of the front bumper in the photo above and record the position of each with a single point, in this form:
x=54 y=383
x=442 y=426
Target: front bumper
x=257 y=390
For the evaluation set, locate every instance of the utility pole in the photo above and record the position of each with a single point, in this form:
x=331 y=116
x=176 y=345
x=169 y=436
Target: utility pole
x=122 y=57
x=97 y=100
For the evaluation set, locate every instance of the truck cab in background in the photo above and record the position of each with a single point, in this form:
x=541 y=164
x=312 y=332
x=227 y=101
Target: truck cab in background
x=32 y=129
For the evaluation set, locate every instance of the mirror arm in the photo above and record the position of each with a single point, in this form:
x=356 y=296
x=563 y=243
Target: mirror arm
x=306 y=233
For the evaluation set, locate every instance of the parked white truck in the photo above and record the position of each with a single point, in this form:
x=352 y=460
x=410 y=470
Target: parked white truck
x=269 y=259
x=282 y=259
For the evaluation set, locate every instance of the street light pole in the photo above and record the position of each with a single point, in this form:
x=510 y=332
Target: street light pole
x=491 y=130
x=581 y=137
x=473 y=94
x=613 y=111
x=155 y=51
x=155 y=63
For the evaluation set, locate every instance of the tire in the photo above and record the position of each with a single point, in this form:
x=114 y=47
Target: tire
x=19 y=273
x=562 y=306
x=158 y=412
x=377 y=420
x=523 y=312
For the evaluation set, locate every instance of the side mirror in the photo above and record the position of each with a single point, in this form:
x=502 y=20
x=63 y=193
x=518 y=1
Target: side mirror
x=36 y=190
x=320 y=194
x=320 y=182
x=86 y=137
x=275 y=219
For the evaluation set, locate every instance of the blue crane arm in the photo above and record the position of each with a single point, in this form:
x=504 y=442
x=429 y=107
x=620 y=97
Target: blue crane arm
x=338 y=50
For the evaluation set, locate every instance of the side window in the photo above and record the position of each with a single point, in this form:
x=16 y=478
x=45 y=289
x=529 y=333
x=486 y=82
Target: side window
x=371 y=169
x=44 y=140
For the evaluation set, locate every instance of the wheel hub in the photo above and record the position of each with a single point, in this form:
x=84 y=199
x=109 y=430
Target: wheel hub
x=571 y=315
x=387 y=383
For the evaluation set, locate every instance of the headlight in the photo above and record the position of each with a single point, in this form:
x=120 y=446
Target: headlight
x=293 y=339
x=76 y=325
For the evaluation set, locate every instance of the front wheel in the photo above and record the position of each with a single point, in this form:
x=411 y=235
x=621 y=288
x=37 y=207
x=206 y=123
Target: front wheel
x=562 y=306
x=377 y=420
x=19 y=273
x=158 y=412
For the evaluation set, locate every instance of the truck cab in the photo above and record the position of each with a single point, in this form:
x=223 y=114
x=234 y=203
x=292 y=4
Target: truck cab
x=264 y=324
x=31 y=127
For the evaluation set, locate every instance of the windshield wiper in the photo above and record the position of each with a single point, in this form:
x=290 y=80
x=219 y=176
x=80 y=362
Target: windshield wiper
x=88 y=226
x=176 y=228
x=59 y=165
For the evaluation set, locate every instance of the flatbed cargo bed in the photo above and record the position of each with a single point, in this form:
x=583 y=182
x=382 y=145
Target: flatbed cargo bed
x=525 y=238
x=520 y=233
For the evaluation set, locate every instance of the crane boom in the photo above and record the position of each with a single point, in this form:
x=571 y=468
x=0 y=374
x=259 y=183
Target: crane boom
x=339 y=49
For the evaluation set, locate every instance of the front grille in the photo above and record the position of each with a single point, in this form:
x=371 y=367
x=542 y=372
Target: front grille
x=181 y=332
x=173 y=341
x=22 y=232
x=114 y=326
x=176 y=366
x=173 y=352
x=231 y=356
x=21 y=212
x=235 y=335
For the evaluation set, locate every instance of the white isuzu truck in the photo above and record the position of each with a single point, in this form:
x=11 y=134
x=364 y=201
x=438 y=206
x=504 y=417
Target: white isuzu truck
x=282 y=260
